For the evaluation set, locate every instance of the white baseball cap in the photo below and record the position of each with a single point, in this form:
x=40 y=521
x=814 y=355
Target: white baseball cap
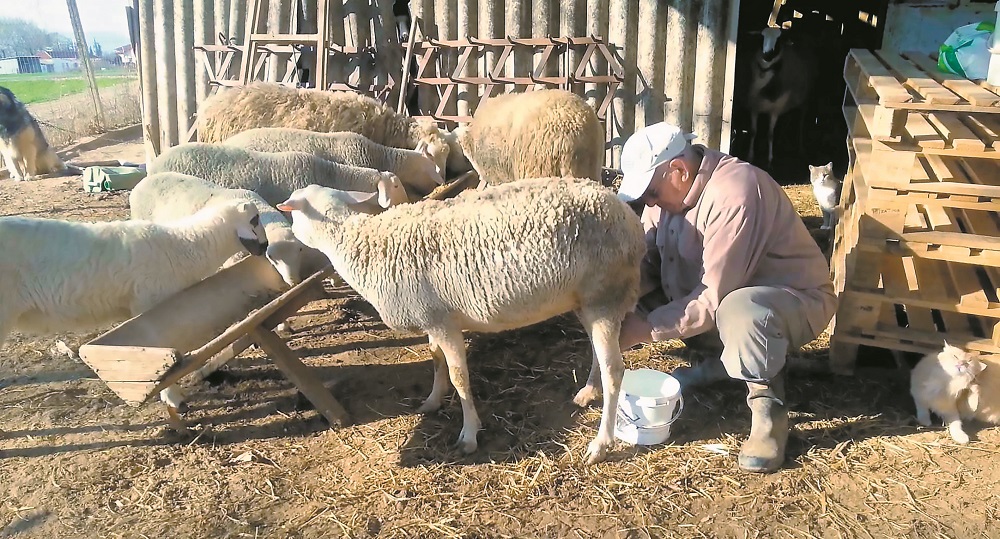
x=645 y=150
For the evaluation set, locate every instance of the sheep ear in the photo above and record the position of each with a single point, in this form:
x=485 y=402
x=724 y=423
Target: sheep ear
x=290 y=205
x=352 y=198
x=830 y=164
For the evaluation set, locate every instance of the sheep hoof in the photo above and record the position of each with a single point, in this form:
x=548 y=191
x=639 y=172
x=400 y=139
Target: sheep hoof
x=468 y=447
x=586 y=396
x=467 y=443
x=596 y=452
x=429 y=407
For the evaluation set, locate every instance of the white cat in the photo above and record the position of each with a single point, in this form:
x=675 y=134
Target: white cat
x=826 y=189
x=947 y=383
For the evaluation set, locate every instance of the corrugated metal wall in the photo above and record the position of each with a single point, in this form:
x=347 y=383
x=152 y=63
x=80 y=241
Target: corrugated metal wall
x=678 y=55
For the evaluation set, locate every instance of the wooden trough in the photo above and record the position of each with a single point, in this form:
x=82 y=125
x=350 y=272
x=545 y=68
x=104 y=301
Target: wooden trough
x=220 y=315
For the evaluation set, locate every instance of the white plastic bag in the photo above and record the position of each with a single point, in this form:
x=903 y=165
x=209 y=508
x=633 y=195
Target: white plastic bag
x=966 y=52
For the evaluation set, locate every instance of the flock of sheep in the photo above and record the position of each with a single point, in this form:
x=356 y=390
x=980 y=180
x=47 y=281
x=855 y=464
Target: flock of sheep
x=310 y=178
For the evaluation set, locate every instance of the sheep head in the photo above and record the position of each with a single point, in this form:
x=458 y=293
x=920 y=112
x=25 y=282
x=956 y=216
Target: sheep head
x=457 y=162
x=420 y=171
x=770 y=48
x=390 y=191
x=245 y=218
x=286 y=257
x=315 y=204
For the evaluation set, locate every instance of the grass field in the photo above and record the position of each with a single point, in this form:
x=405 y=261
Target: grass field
x=41 y=87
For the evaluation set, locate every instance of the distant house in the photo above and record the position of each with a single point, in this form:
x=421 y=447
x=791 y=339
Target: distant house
x=20 y=64
x=58 y=61
x=126 y=55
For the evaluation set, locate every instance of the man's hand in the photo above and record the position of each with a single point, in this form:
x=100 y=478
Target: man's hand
x=635 y=330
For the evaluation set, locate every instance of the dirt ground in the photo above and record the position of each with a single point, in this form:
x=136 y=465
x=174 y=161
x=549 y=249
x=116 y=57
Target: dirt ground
x=77 y=462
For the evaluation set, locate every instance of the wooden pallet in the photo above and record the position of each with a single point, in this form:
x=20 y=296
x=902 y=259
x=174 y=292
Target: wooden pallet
x=894 y=84
x=913 y=289
x=916 y=251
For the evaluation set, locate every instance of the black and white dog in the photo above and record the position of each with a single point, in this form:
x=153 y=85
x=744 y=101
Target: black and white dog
x=22 y=143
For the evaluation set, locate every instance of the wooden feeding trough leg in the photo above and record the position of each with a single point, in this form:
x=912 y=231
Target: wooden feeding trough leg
x=289 y=364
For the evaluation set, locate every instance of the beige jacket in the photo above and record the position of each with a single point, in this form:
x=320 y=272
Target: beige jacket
x=740 y=229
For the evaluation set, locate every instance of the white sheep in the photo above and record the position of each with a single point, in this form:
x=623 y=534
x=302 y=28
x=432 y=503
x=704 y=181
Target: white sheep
x=168 y=196
x=491 y=260
x=61 y=276
x=536 y=134
x=262 y=104
x=415 y=168
x=273 y=176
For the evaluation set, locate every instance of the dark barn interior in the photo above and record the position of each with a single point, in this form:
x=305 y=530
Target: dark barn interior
x=827 y=29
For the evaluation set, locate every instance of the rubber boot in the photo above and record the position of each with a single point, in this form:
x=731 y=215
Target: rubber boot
x=764 y=450
x=706 y=371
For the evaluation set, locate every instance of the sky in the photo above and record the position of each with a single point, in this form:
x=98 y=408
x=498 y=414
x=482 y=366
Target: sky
x=103 y=20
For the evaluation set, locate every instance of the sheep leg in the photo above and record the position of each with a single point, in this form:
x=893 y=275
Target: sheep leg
x=174 y=398
x=590 y=392
x=433 y=402
x=603 y=333
x=753 y=136
x=453 y=347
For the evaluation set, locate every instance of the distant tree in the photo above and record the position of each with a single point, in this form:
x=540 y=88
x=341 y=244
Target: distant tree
x=96 y=50
x=19 y=37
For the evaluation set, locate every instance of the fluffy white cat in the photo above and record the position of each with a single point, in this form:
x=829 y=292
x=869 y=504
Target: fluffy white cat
x=948 y=383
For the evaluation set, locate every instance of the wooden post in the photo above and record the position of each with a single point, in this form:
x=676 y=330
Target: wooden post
x=84 y=54
x=301 y=377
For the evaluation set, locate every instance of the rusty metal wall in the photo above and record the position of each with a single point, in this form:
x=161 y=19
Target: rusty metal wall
x=677 y=54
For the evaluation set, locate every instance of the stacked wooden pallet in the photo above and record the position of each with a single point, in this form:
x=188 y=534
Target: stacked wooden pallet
x=916 y=256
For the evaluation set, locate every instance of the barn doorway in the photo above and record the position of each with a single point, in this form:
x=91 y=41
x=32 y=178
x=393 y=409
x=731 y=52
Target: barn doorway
x=826 y=30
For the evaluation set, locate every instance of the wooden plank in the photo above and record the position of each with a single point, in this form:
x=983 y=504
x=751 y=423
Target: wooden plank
x=915 y=221
x=301 y=376
x=934 y=287
x=967 y=284
x=133 y=393
x=933 y=340
x=969 y=90
x=880 y=78
x=922 y=133
x=982 y=171
x=983 y=224
x=955 y=304
x=930 y=250
x=914 y=77
x=901 y=282
x=940 y=171
x=956 y=239
x=909 y=146
x=128 y=363
x=991 y=121
x=920 y=171
x=984 y=131
x=954 y=132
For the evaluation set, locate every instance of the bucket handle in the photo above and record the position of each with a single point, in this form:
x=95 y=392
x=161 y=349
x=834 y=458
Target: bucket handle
x=634 y=420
